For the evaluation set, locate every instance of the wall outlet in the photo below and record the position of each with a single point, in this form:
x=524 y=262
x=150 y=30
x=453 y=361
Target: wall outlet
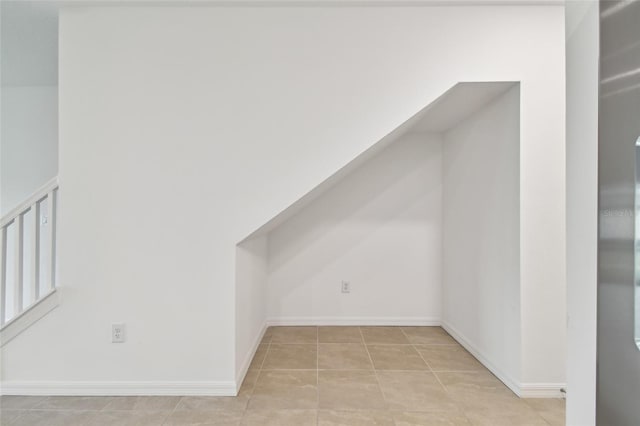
x=117 y=333
x=346 y=287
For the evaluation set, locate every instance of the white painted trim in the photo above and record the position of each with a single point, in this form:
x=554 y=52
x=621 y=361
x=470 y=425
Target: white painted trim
x=510 y=382
x=29 y=316
x=248 y=358
x=100 y=388
x=523 y=390
x=37 y=195
x=542 y=390
x=380 y=321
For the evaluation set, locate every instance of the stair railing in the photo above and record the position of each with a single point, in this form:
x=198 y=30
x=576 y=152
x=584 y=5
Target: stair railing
x=28 y=264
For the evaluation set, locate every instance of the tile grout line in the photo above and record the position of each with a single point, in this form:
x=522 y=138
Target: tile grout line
x=15 y=421
x=260 y=369
x=446 y=391
x=435 y=373
x=375 y=374
x=425 y=361
x=371 y=369
x=172 y=411
x=377 y=344
x=361 y=343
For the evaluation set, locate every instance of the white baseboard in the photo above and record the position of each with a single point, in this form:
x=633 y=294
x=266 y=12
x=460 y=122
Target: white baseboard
x=220 y=388
x=523 y=390
x=542 y=390
x=511 y=383
x=248 y=358
x=328 y=321
x=231 y=388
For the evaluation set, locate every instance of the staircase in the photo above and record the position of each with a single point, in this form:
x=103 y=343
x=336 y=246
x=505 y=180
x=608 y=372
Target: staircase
x=28 y=261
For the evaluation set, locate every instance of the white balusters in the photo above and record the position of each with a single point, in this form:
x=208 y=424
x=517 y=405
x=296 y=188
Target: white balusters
x=3 y=275
x=51 y=232
x=32 y=251
x=35 y=252
x=18 y=268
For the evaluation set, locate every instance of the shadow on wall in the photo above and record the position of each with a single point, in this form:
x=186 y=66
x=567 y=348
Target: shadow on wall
x=380 y=229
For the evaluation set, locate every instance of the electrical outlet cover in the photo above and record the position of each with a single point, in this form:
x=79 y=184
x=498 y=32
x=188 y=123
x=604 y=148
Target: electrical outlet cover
x=117 y=333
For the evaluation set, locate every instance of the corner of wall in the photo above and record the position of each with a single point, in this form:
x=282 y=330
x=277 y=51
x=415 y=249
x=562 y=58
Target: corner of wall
x=250 y=310
x=481 y=211
x=242 y=371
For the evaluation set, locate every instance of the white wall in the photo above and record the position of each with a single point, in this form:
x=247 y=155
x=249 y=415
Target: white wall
x=481 y=211
x=251 y=293
x=29 y=141
x=380 y=229
x=29 y=98
x=159 y=108
x=582 y=209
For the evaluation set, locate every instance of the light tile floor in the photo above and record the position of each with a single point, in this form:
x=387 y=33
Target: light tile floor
x=323 y=376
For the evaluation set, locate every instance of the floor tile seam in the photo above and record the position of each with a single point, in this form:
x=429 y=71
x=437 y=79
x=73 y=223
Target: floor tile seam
x=19 y=414
x=470 y=411
x=134 y=411
x=406 y=336
x=15 y=421
x=541 y=411
x=429 y=344
x=38 y=400
x=24 y=413
x=91 y=413
x=446 y=391
x=346 y=369
x=466 y=411
x=538 y=413
x=375 y=372
x=477 y=370
x=109 y=399
x=367 y=369
x=180 y=398
x=387 y=344
x=260 y=369
x=288 y=369
x=421 y=357
x=439 y=345
x=426 y=362
x=67 y=409
x=166 y=416
x=263 y=360
x=211 y=409
x=172 y=411
x=545 y=420
x=457 y=345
